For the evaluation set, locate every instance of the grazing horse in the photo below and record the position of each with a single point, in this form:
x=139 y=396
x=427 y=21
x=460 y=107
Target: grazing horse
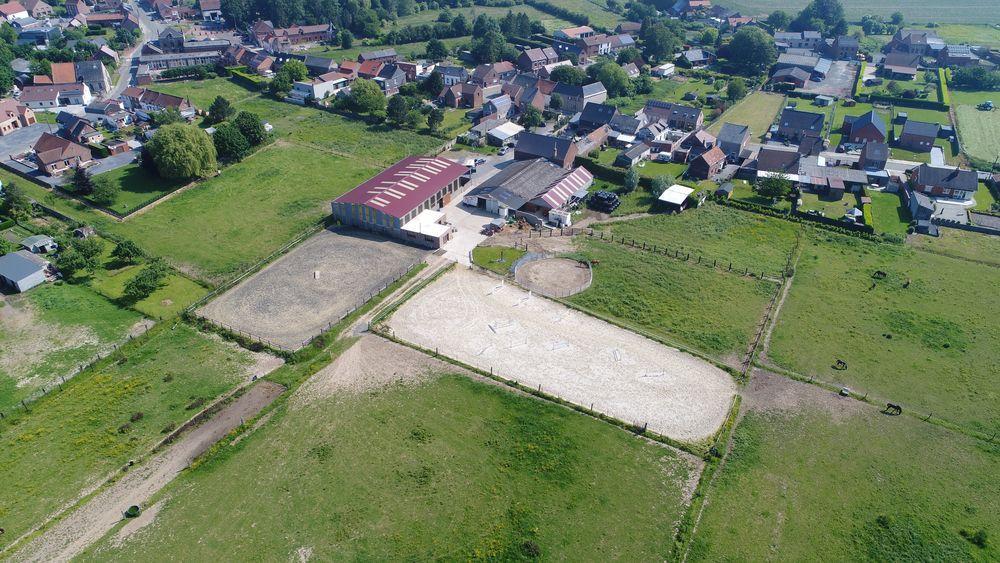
x=893 y=409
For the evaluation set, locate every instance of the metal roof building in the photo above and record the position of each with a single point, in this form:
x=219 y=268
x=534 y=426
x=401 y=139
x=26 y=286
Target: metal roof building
x=21 y=270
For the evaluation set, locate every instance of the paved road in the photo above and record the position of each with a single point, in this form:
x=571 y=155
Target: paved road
x=126 y=70
x=469 y=220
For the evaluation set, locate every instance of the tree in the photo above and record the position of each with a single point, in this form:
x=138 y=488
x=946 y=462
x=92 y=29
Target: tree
x=145 y=282
x=775 y=187
x=660 y=43
x=230 y=144
x=614 y=78
x=91 y=248
x=295 y=70
x=736 y=89
x=106 y=192
x=16 y=203
x=779 y=19
x=6 y=79
x=826 y=16
x=127 y=252
x=531 y=118
x=569 y=75
x=488 y=48
x=346 y=39
x=893 y=87
x=631 y=180
x=896 y=18
x=556 y=102
x=166 y=117
x=433 y=84
x=436 y=50
x=628 y=55
x=70 y=262
x=709 y=36
x=396 y=109
x=660 y=185
x=83 y=184
x=434 y=119
x=183 y=152
x=643 y=84
x=414 y=119
x=367 y=97
x=220 y=110
x=251 y=126
x=6 y=246
x=237 y=12
x=752 y=50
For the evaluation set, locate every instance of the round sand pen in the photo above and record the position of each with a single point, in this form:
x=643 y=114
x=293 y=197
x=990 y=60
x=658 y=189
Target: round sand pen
x=553 y=277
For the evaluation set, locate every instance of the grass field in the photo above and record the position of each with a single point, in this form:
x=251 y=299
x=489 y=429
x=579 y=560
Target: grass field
x=757 y=110
x=429 y=17
x=137 y=186
x=961 y=244
x=75 y=437
x=498 y=259
x=717 y=232
x=984 y=198
x=665 y=89
x=915 y=11
x=985 y=35
x=50 y=331
x=173 y=296
x=406 y=50
x=979 y=131
x=910 y=339
x=743 y=191
x=675 y=300
x=889 y=213
x=834 y=209
x=825 y=486
x=446 y=469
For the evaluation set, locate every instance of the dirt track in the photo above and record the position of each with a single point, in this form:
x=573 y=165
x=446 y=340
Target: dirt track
x=88 y=523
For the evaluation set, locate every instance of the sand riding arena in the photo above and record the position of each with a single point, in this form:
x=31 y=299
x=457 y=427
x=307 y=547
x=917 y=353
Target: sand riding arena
x=554 y=277
x=535 y=341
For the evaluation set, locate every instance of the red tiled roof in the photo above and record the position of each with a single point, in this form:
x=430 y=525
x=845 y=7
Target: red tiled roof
x=399 y=189
x=63 y=73
x=11 y=8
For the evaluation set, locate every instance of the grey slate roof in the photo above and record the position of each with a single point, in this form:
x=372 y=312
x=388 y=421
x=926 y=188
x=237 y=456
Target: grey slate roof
x=597 y=114
x=871 y=118
x=875 y=151
x=545 y=146
x=520 y=182
x=947 y=177
x=921 y=128
x=733 y=133
x=801 y=120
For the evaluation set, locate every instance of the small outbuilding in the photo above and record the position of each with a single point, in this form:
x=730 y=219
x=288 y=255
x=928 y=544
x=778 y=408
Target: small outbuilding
x=21 y=271
x=39 y=244
x=676 y=196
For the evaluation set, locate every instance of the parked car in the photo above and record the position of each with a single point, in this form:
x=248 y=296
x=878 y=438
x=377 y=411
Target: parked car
x=503 y=150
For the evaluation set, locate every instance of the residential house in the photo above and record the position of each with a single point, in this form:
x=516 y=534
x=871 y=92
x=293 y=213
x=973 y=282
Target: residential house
x=901 y=65
x=381 y=55
x=319 y=65
x=38 y=9
x=63 y=73
x=811 y=40
x=531 y=189
x=36 y=33
x=415 y=70
x=791 y=75
x=55 y=95
x=171 y=40
x=546 y=71
x=916 y=41
x=21 y=271
x=452 y=74
x=464 y=95
x=531 y=60
x=944 y=181
x=211 y=10
x=595 y=115
x=56 y=155
x=282 y=39
x=491 y=74
x=676 y=116
x=390 y=79
x=104 y=19
x=844 y=48
x=77 y=129
x=95 y=75
x=918 y=136
x=794 y=125
x=733 y=139
x=698 y=58
x=708 y=164
x=633 y=155
x=783 y=160
x=690 y=8
x=319 y=88
x=14 y=115
x=631 y=70
x=145 y=102
x=873 y=156
x=77 y=8
x=13 y=11
x=574 y=33
x=559 y=150
x=593 y=46
x=575 y=98
x=498 y=107
x=631 y=28
x=957 y=55
x=370 y=69
x=869 y=127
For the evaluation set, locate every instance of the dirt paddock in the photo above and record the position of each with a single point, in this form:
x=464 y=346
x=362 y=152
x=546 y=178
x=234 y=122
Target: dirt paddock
x=315 y=284
x=554 y=277
x=539 y=342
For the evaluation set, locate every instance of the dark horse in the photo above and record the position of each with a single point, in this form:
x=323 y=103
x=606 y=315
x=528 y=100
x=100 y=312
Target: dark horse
x=893 y=409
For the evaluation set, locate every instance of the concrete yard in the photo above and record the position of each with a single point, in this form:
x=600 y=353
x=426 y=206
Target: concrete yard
x=539 y=342
x=314 y=285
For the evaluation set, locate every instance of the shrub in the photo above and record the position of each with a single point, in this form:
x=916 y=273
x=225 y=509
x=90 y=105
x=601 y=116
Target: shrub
x=136 y=417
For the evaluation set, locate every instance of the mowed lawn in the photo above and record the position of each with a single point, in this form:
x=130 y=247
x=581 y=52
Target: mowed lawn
x=429 y=17
x=757 y=110
x=49 y=332
x=229 y=222
x=448 y=469
x=889 y=213
x=137 y=187
x=682 y=303
x=748 y=240
x=912 y=338
x=967 y=245
x=915 y=11
x=75 y=437
x=985 y=35
x=816 y=485
x=979 y=131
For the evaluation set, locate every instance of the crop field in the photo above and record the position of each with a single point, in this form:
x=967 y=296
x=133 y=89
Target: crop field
x=72 y=439
x=909 y=338
x=818 y=477
x=49 y=332
x=375 y=458
x=675 y=300
x=966 y=245
x=429 y=17
x=757 y=110
x=979 y=131
x=137 y=187
x=297 y=296
x=718 y=233
x=916 y=11
x=541 y=343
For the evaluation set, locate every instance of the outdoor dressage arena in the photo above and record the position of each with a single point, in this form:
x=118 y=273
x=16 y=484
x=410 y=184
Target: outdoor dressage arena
x=536 y=341
x=555 y=277
x=319 y=281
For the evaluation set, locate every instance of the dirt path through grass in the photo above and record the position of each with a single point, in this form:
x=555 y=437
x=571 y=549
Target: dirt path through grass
x=93 y=520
